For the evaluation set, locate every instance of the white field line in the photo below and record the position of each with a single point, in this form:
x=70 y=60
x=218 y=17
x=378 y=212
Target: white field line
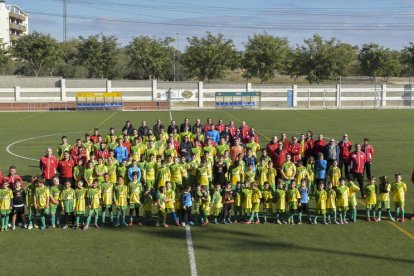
x=190 y=248
x=34 y=138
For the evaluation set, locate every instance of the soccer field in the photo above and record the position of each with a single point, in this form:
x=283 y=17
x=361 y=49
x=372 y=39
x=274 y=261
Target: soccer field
x=361 y=248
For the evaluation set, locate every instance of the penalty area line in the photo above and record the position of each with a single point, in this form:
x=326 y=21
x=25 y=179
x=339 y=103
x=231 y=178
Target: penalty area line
x=190 y=249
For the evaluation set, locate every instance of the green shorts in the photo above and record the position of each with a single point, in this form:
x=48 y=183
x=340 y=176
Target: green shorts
x=399 y=204
x=68 y=206
x=247 y=210
x=217 y=211
x=5 y=212
x=134 y=205
x=123 y=208
x=352 y=202
x=279 y=211
x=93 y=212
x=255 y=207
x=320 y=211
x=383 y=205
x=150 y=183
x=292 y=206
x=42 y=212
x=80 y=212
x=371 y=206
x=54 y=209
x=205 y=211
x=342 y=208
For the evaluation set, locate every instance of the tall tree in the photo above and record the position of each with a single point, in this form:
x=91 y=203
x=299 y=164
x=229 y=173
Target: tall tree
x=408 y=58
x=99 y=54
x=39 y=51
x=150 y=56
x=320 y=59
x=210 y=56
x=5 y=58
x=264 y=54
x=377 y=61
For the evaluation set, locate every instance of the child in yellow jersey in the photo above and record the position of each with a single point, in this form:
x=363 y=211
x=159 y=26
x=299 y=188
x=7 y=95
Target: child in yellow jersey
x=256 y=198
x=334 y=174
x=399 y=189
x=149 y=172
x=93 y=197
x=320 y=203
x=209 y=164
x=217 y=203
x=89 y=174
x=342 y=204
x=246 y=202
x=111 y=168
x=161 y=200
x=267 y=201
x=292 y=197
x=67 y=200
x=79 y=170
x=147 y=202
x=353 y=189
x=107 y=188
x=170 y=202
x=41 y=202
x=310 y=167
x=120 y=201
x=371 y=198
x=55 y=208
x=331 y=202
x=271 y=175
x=261 y=173
x=236 y=173
x=134 y=198
x=100 y=169
x=288 y=170
x=6 y=196
x=301 y=172
x=384 y=198
x=205 y=205
x=279 y=202
x=178 y=203
x=197 y=205
x=80 y=204
x=177 y=173
x=163 y=174
x=250 y=175
x=202 y=174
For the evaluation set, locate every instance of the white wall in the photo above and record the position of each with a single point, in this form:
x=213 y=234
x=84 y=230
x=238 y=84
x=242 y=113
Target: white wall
x=4 y=24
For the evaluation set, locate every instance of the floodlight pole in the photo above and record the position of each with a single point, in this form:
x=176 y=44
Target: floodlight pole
x=65 y=17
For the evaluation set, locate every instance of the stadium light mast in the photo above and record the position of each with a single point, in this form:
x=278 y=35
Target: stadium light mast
x=65 y=17
x=177 y=58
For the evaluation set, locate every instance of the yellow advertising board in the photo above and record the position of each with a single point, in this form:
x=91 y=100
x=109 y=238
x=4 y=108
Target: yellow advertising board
x=98 y=95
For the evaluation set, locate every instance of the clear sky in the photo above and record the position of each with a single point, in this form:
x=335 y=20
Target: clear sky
x=387 y=22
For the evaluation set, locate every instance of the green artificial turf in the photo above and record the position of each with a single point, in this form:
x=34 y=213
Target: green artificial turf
x=361 y=248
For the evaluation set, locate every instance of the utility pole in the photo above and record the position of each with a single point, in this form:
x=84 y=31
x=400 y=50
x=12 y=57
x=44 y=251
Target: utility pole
x=65 y=17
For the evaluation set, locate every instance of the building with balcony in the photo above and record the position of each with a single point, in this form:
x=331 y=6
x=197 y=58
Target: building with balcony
x=14 y=23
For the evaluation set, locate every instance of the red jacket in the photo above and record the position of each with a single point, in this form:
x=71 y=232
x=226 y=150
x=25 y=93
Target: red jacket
x=271 y=148
x=345 y=148
x=65 y=168
x=101 y=153
x=296 y=151
x=94 y=139
x=309 y=144
x=12 y=180
x=48 y=166
x=76 y=158
x=128 y=145
x=220 y=128
x=206 y=128
x=318 y=146
x=245 y=132
x=286 y=143
x=369 y=151
x=357 y=162
x=279 y=158
x=232 y=130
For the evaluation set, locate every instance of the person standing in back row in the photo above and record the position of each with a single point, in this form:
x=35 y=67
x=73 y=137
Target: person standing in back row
x=357 y=161
x=369 y=152
x=345 y=147
x=48 y=165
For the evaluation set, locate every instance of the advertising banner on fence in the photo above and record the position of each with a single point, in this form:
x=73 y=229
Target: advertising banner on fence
x=179 y=94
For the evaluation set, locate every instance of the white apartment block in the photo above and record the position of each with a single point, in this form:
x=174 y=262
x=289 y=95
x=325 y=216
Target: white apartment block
x=14 y=23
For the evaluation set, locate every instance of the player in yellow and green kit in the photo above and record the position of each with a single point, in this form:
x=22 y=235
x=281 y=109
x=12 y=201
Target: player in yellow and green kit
x=149 y=171
x=236 y=174
x=302 y=172
x=162 y=216
x=177 y=172
x=342 y=195
x=371 y=198
x=334 y=174
x=93 y=197
x=261 y=173
x=6 y=196
x=122 y=170
x=163 y=174
x=134 y=198
x=246 y=202
x=320 y=203
x=100 y=169
x=399 y=189
x=279 y=201
x=30 y=194
x=147 y=205
x=80 y=205
x=310 y=167
x=170 y=202
x=89 y=174
x=267 y=197
x=249 y=175
x=197 y=205
x=79 y=170
x=120 y=200
x=55 y=208
x=202 y=174
x=288 y=170
x=292 y=197
x=41 y=201
x=107 y=188
x=353 y=189
x=256 y=199
x=384 y=198
x=205 y=205
x=217 y=203
x=67 y=200
x=331 y=202
x=271 y=175
x=111 y=165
